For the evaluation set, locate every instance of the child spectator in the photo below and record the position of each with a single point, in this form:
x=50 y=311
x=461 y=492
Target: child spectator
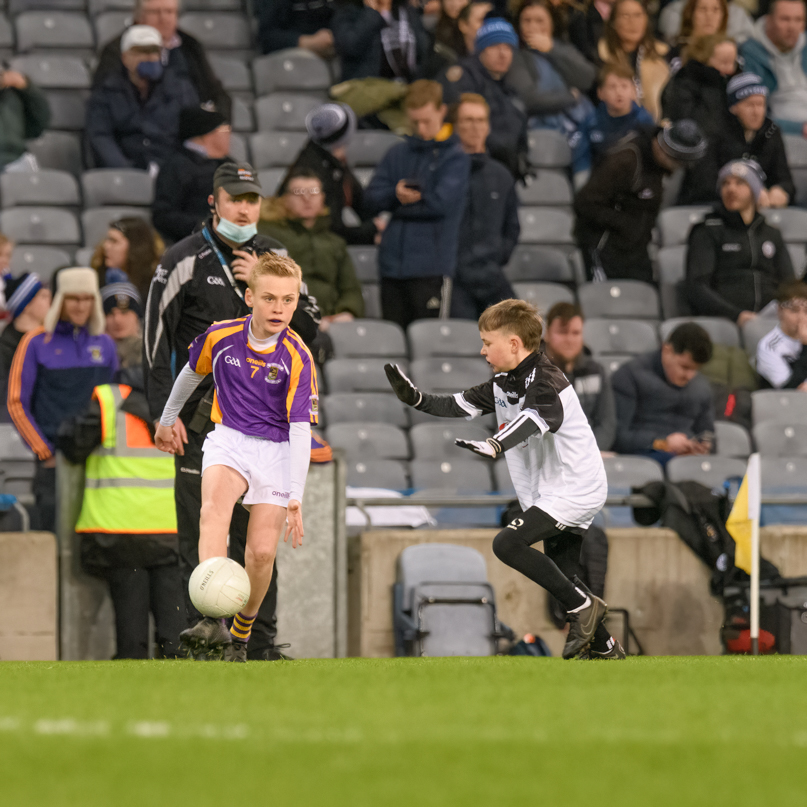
x=27 y=302
x=123 y=309
x=781 y=357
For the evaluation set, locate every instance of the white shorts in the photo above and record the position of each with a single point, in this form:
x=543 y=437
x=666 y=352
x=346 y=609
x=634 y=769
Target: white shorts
x=264 y=464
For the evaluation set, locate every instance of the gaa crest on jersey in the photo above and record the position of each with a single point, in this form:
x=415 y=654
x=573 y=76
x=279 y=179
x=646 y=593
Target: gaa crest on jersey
x=96 y=355
x=273 y=373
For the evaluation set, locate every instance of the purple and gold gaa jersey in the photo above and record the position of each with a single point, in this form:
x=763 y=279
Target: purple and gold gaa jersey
x=257 y=392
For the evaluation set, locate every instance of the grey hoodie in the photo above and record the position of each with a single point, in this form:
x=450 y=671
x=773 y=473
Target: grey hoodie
x=789 y=102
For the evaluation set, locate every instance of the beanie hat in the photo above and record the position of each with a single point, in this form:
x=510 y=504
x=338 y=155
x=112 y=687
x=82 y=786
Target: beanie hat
x=748 y=171
x=331 y=125
x=76 y=280
x=20 y=291
x=123 y=296
x=743 y=86
x=682 y=141
x=196 y=121
x=495 y=31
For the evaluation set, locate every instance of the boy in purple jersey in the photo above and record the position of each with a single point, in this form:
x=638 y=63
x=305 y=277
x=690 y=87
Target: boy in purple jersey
x=266 y=399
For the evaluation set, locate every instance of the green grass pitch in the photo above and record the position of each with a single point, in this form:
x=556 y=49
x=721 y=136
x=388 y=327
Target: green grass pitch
x=409 y=732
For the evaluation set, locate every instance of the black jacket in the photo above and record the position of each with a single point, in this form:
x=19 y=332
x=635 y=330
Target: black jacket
x=733 y=266
x=189 y=292
x=341 y=189
x=698 y=92
x=281 y=23
x=507 y=141
x=181 y=192
x=188 y=58
x=585 y=29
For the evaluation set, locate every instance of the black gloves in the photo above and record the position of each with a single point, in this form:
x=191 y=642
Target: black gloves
x=402 y=386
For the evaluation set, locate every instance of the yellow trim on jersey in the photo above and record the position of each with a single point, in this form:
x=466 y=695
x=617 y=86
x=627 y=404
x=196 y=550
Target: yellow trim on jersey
x=314 y=382
x=204 y=364
x=294 y=376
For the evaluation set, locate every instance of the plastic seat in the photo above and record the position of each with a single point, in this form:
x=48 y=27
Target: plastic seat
x=781 y=406
x=545 y=225
x=284 y=111
x=57 y=188
x=792 y=221
x=625 y=472
x=40 y=225
x=548 y=149
x=95 y=221
x=293 y=70
x=435 y=441
x=796 y=150
x=732 y=440
x=60 y=151
x=95 y=7
x=543 y=295
x=387 y=474
x=372 y=441
x=536 y=263
x=271 y=149
x=18 y=6
x=363 y=337
x=368 y=407
x=365 y=262
x=68 y=109
x=721 y=331
x=784 y=474
x=548 y=187
x=674 y=223
x=434 y=337
x=42 y=260
x=83 y=256
x=613 y=362
x=233 y=73
x=239 y=148
x=117 y=186
x=631 y=336
x=270 y=179
x=358 y=375
x=672 y=264
x=54 y=71
x=59 y=30
x=368 y=147
x=754 y=330
x=110 y=25
x=449 y=375
x=218 y=30
x=798 y=254
x=619 y=299
x=781 y=439
x=371 y=294
x=462 y=476
x=711 y=471
x=242 y=117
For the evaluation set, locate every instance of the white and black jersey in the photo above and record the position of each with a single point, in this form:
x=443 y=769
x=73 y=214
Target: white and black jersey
x=551 y=451
x=781 y=360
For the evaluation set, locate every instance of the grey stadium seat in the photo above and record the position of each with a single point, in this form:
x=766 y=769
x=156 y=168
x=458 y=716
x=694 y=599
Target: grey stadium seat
x=545 y=225
x=6 y=38
x=781 y=406
x=732 y=440
x=242 y=117
x=68 y=109
x=60 y=151
x=387 y=474
x=674 y=223
x=543 y=295
x=798 y=254
x=84 y=256
x=294 y=70
x=240 y=149
x=358 y=375
x=371 y=294
x=17 y=6
x=721 y=331
x=784 y=473
x=781 y=439
x=117 y=186
x=464 y=476
x=800 y=181
x=619 y=298
x=365 y=262
x=368 y=337
x=613 y=362
x=501 y=476
x=58 y=30
x=441 y=337
x=270 y=179
x=367 y=407
x=270 y=149
x=233 y=73
x=42 y=260
x=711 y=471
x=40 y=225
x=284 y=111
x=754 y=330
x=548 y=149
x=672 y=264
x=548 y=187
x=796 y=149
x=435 y=441
x=627 y=472
x=625 y=336
x=372 y=441
x=17 y=464
x=56 y=188
x=54 y=71
x=367 y=147
x=449 y=375
x=792 y=221
x=536 y=263
x=111 y=24
x=95 y=221
x=218 y=30
x=95 y=7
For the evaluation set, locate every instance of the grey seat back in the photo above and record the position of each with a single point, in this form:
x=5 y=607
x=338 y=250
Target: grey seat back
x=62 y=30
x=40 y=225
x=792 y=221
x=463 y=476
x=368 y=337
x=375 y=441
x=775 y=439
x=449 y=375
x=754 y=330
x=530 y=263
x=117 y=186
x=625 y=336
x=721 y=331
x=270 y=179
x=294 y=70
x=549 y=186
x=270 y=149
x=60 y=151
x=368 y=146
x=545 y=225
x=620 y=299
x=784 y=474
x=453 y=337
x=732 y=440
x=44 y=261
x=627 y=472
x=358 y=375
x=233 y=72
x=218 y=30
x=284 y=111
x=39 y=188
x=435 y=441
x=543 y=295
x=68 y=109
x=95 y=221
x=365 y=262
x=711 y=471
x=783 y=406
x=364 y=407
x=111 y=24
x=548 y=149
x=674 y=223
x=387 y=474
x=52 y=71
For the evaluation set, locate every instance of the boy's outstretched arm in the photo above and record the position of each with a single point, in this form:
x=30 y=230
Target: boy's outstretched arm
x=511 y=435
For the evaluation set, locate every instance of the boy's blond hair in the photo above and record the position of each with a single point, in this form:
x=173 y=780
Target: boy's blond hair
x=271 y=265
x=516 y=317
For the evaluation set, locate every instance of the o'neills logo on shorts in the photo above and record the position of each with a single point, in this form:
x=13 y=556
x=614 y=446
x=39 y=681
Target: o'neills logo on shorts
x=282 y=495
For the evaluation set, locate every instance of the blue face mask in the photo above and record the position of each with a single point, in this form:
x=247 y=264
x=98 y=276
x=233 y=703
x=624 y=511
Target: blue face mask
x=236 y=233
x=151 y=71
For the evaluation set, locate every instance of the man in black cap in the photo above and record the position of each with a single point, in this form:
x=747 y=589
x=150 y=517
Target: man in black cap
x=617 y=209
x=202 y=280
x=185 y=182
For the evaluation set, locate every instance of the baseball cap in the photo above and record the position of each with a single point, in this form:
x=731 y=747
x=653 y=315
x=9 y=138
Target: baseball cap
x=237 y=179
x=140 y=36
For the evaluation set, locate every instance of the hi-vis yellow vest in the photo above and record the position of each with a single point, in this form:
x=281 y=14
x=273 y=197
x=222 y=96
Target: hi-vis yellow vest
x=129 y=485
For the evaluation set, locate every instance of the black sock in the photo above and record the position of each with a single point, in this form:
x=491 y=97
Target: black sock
x=600 y=641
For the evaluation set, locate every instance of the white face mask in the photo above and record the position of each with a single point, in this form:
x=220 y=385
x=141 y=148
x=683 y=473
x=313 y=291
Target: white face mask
x=237 y=233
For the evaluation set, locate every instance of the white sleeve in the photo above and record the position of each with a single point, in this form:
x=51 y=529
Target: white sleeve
x=186 y=382
x=772 y=365
x=300 y=456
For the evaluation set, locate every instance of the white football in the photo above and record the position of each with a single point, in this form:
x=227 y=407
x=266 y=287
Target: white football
x=219 y=587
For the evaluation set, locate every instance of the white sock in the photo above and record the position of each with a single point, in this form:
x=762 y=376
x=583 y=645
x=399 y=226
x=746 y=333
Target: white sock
x=584 y=605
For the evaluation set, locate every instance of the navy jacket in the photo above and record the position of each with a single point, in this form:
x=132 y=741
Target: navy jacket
x=421 y=238
x=281 y=23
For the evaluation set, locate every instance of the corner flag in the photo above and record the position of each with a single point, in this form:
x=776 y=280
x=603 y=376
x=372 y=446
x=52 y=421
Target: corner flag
x=744 y=513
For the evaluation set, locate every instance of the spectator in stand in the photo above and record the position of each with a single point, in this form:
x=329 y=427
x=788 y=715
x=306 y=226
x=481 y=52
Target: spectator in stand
x=130 y=252
x=447 y=32
x=330 y=129
x=663 y=405
x=490 y=228
x=484 y=74
x=186 y=181
x=629 y=39
x=123 y=309
x=617 y=209
x=24 y=115
x=133 y=114
x=736 y=261
x=295 y=24
x=781 y=354
x=586 y=27
x=54 y=372
x=299 y=220
x=616 y=116
x=181 y=53
x=683 y=21
x=469 y=22
x=563 y=344
x=423 y=183
x=778 y=53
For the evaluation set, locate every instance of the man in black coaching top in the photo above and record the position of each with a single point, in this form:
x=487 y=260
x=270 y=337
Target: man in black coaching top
x=201 y=280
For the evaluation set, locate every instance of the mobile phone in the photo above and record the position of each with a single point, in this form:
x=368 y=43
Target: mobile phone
x=412 y=184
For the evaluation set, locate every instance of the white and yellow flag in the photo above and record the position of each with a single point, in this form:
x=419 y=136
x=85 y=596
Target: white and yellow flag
x=744 y=513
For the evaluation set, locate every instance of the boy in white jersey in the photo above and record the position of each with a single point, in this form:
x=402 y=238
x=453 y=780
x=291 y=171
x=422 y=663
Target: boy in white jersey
x=265 y=400
x=553 y=459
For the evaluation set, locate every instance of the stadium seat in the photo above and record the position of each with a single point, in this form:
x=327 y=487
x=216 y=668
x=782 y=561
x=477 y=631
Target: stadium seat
x=242 y=117
x=111 y=24
x=674 y=223
x=270 y=179
x=800 y=181
x=613 y=362
x=371 y=441
x=781 y=439
x=95 y=221
x=18 y=6
x=780 y=406
x=239 y=148
x=40 y=225
x=462 y=476
x=671 y=264
x=449 y=375
x=387 y=474
x=368 y=407
x=548 y=149
x=6 y=37
x=796 y=150
x=68 y=109
x=619 y=299
x=535 y=263
x=543 y=295
x=371 y=294
x=62 y=31
x=363 y=175
x=60 y=151
x=95 y=7
x=17 y=465
x=435 y=441
x=711 y=471
x=365 y=262
x=625 y=336
x=501 y=475
x=782 y=474
x=548 y=187
x=358 y=375
x=270 y=149
x=218 y=30
x=42 y=260
x=626 y=472
x=367 y=337
x=721 y=331
x=294 y=70
x=435 y=337
x=84 y=256
x=732 y=440
x=51 y=71
x=368 y=146
x=792 y=221
x=117 y=186
x=754 y=330
x=545 y=225
x=56 y=188
x=234 y=74
x=284 y=111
